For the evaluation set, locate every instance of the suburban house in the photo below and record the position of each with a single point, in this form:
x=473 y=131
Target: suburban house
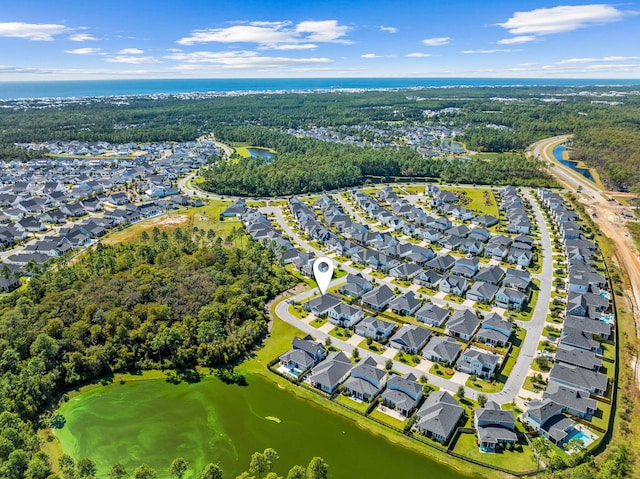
x=453 y=284
x=378 y=298
x=491 y=274
x=355 y=286
x=428 y=278
x=345 y=315
x=406 y=271
x=305 y=354
x=322 y=304
x=481 y=292
x=508 y=298
x=377 y=329
x=328 y=374
x=495 y=330
x=466 y=267
x=495 y=427
x=578 y=357
x=441 y=263
x=463 y=324
x=574 y=401
x=366 y=380
x=410 y=338
x=442 y=349
x=405 y=304
x=402 y=394
x=479 y=362
x=579 y=378
x=439 y=416
x=432 y=315
x=545 y=416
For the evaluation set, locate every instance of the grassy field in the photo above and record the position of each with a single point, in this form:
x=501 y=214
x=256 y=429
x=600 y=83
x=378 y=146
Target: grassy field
x=634 y=229
x=476 y=199
x=205 y=217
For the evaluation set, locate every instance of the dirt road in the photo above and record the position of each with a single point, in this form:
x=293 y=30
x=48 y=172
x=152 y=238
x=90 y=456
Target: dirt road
x=607 y=214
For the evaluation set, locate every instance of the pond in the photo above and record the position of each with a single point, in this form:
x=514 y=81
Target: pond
x=558 y=154
x=260 y=153
x=155 y=422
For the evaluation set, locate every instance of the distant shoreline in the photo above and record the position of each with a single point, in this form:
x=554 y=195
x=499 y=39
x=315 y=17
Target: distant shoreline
x=11 y=91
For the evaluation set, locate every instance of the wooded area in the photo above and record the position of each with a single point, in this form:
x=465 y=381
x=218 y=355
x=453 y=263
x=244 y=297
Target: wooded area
x=173 y=300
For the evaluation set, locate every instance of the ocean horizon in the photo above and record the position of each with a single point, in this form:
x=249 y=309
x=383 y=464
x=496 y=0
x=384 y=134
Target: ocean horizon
x=109 y=88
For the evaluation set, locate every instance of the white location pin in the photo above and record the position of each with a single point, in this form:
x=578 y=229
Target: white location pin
x=323 y=272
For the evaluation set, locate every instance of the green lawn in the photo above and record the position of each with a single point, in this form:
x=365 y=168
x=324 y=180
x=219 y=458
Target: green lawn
x=498 y=384
x=317 y=322
x=299 y=312
x=480 y=200
x=407 y=358
x=601 y=418
x=529 y=385
x=518 y=460
x=609 y=351
x=341 y=333
x=392 y=421
x=347 y=401
x=442 y=371
x=375 y=347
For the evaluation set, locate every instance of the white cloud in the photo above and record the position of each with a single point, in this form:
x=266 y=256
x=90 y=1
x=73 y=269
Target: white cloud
x=131 y=51
x=323 y=31
x=436 y=41
x=388 y=29
x=31 y=31
x=134 y=60
x=486 y=52
x=82 y=37
x=418 y=55
x=291 y=46
x=241 y=59
x=518 y=39
x=595 y=60
x=274 y=35
x=546 y=21
x=83 y=51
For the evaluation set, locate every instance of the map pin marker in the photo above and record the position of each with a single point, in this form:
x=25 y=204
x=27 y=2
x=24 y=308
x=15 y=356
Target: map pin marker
x=323 y=272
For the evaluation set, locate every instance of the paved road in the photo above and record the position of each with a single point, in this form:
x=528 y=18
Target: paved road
x=607 y=214
x=533 y=327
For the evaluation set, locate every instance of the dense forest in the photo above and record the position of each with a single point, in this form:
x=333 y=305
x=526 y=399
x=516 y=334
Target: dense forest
x=605 y=124
x=305 y=165
x=167 y=301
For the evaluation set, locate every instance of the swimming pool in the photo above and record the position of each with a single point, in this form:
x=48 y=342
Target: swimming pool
x=605 y=294
x=580 y=435
x=606 y=318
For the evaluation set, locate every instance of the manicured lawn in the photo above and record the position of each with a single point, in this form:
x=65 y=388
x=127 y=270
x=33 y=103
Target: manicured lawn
x=454 y=298
x=299 y=312
x=359 y=405
x=529 y=385
x=317 y=322
x=392 y=421
x=374 y=347
x=414 y=190
x=441 y=371
x=407 y=358
x=520 y=459
x=601 y=418
x=608 y=351
x=341 y=333
x=484 y=386
x=551 y=332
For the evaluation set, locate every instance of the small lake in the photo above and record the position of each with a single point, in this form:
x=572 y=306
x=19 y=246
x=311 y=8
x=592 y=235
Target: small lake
x=261 y=153
x=155 y=422
x=558 y=155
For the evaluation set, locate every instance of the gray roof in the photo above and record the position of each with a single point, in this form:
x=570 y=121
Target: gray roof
x=579 y=377
x=298 y=356
x=439 y=414
x=442 y=347
x=543 y=410
x=492 y=414
x=362 y=386
x=496 y=434
x=323 y=303
x=486 y=290
x=406 y=384
x=578 y=357
x=570 y=398
x=406 y=301
x=432 y=311
x=368 y=370
x=463 y=321
x=579 y=339
x=330 y=371
x=411 y=335
x=492 y=274
x=379 y=295
x=557 y=427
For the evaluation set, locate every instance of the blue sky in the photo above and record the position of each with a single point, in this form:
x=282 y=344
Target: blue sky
x=69 y=39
